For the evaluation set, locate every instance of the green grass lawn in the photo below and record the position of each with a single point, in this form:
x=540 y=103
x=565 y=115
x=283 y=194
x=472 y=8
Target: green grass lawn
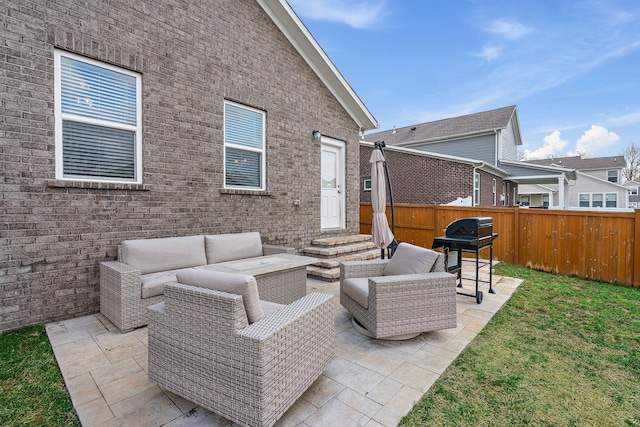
x=561 y=352
x=32 y=391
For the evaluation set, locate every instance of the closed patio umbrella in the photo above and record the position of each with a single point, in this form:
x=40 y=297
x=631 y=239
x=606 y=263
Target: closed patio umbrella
x=380 y=232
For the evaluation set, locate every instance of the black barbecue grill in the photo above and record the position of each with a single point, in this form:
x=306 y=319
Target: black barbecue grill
x=468 y=235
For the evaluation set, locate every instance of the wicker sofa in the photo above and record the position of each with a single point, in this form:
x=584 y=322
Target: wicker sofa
x=136 y=280
x=218 y=347
x=401 y=297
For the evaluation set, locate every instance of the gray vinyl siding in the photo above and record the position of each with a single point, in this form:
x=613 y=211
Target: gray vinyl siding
x=509 y=149
x=477 y=148
x=520 y=171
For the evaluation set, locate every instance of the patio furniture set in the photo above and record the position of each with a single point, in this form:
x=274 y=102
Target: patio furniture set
x=232 y=329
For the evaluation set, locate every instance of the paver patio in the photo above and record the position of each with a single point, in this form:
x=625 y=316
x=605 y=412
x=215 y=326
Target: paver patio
x=369 y=383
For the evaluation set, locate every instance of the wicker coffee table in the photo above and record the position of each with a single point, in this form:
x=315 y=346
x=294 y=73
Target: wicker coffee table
x=281 y=278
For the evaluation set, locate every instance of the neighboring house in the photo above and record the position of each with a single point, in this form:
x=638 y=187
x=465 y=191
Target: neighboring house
x=633 y=188
x=125 y=120
x=597 y=183
x=421 y=177
x=490 y=138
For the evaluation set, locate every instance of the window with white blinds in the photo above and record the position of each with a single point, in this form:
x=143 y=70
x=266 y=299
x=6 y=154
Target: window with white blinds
x=244 y=145
x=98 y=121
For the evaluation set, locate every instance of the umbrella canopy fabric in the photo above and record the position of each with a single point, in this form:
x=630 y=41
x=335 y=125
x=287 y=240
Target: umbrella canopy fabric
x=380 y=232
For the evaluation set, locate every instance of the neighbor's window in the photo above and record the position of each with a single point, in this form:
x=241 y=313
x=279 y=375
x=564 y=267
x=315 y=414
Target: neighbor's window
x=244 y=147
x=525 y=200
x=612 y=176
x=596 y=200
x=633 y=191
x=98 y=121
x=611 y=200
x=495 y=192
x=476 y=188
x=367 y=185
x=584 y=200
x=545 y=200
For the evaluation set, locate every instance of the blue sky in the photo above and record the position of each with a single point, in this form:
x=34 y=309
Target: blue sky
x=571 y=66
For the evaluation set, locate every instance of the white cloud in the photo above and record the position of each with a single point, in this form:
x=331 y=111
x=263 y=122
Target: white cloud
x=553 y=146
x=511 y=30
x=357 y=14
x=626 y=119
x=489 y=53
x=595 y=139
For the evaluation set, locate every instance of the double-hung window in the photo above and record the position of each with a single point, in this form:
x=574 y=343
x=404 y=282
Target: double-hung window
x=244 y=147
x=476 y=188
x=98 y=121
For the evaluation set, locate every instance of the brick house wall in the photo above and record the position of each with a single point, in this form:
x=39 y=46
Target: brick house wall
x=192 y=57
x=421 y=179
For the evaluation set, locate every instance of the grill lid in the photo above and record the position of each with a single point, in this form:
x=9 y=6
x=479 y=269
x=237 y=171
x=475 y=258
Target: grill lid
x=474 y=227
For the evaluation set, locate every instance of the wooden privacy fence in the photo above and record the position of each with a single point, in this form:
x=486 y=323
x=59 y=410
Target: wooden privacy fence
x=596 y=245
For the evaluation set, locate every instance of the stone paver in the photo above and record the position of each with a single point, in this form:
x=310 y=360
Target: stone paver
x=369 y=383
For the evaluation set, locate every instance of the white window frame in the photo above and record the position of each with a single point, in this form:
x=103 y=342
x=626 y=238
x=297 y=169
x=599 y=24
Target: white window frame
x=602 y=201
x=60 y=118
x=633 y=191
x=525 y=200
x=606 y=201
x=495 y=192
x=476 y=188
x=545 y=200
x=366 y=185
x=613 y=173
x=261 y=151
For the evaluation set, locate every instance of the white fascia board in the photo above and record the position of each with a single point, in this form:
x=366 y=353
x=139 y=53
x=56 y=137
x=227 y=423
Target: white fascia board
x=299 y=36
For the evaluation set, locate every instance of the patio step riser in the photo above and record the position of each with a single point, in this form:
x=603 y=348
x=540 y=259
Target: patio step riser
x=334 y=250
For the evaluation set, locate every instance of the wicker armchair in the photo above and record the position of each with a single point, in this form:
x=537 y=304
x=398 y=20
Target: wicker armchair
x=203 y=348
x=392 y=305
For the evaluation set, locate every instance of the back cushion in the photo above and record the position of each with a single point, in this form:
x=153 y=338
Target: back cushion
x=230 y=247
x=168 y=253
x=410 y=259
x=239 y=284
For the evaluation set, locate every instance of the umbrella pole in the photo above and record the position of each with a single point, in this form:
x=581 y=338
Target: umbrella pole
x=380 y=145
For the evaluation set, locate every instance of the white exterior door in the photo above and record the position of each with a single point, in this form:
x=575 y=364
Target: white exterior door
x=332 y=184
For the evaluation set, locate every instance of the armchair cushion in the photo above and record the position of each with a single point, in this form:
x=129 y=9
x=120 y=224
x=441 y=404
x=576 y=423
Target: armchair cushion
x=268 y=308
x=153 y=283
x=358 y=289
x=240 y=284
x=229 y=247
x=410 y=259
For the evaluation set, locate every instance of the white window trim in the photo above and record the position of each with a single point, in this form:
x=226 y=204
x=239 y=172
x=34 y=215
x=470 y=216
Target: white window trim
x=495 y=192
x=604 y=200
x=262 y=151
x=476 y=188
x=366 y=185
x=617 y=175
x=59 y=117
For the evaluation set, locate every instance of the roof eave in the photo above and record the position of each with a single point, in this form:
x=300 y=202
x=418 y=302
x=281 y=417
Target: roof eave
x=299 y=36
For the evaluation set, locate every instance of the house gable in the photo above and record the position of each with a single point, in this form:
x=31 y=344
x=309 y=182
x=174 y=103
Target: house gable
x=192 y=60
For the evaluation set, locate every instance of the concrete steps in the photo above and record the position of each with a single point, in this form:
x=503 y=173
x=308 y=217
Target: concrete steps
x=332 y=251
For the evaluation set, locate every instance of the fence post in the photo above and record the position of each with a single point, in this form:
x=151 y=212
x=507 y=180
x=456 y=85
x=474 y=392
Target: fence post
x=516 y=235
x=636 y=249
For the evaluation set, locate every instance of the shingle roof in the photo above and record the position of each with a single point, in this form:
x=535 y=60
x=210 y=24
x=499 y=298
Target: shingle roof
x=578 y=163
x=484 y=121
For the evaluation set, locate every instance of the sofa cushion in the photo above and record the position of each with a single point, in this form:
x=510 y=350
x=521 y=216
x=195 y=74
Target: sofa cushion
x=268 y=308
x=153 y=283
x=239 y=284
x=230 y=247
x=410 y=259
x=358 y=289
x=167 y=253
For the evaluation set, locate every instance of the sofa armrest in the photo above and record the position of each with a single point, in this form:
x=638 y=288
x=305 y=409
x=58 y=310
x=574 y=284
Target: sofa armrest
x=370 y=268
x=275 y=249
x=120 y=292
